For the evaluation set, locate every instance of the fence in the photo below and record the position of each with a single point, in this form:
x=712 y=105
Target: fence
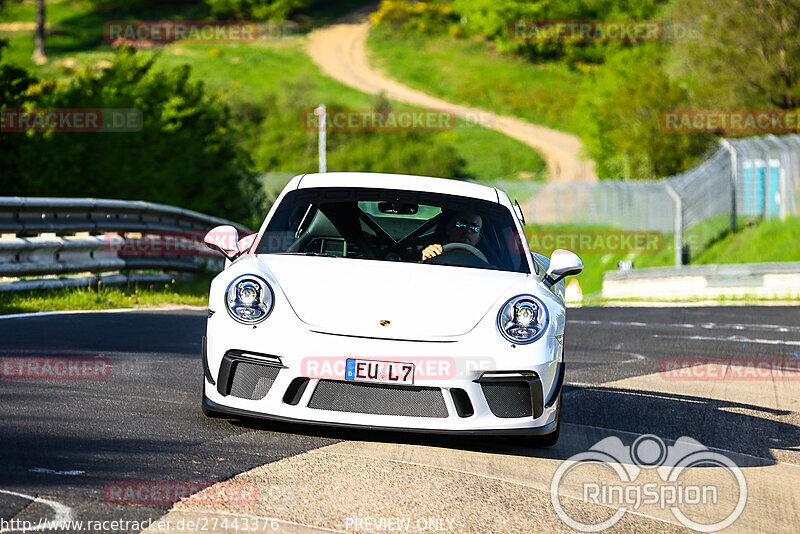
x=756 y=176
x=63 y=242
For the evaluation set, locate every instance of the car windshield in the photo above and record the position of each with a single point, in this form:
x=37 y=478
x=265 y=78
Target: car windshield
x=394 y=225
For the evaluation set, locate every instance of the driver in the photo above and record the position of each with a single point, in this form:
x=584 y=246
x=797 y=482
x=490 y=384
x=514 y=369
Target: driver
x=460 y=227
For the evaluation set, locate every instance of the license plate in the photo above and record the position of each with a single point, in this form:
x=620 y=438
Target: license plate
x=379 y=371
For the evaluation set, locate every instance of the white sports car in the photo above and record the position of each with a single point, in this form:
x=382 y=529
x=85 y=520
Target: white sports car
x=389 y=301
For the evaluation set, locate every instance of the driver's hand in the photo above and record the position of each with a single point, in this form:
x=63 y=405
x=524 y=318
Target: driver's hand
x=431 y=251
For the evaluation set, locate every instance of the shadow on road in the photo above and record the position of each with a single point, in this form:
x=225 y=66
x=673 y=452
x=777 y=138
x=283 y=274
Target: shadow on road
x=733 y=426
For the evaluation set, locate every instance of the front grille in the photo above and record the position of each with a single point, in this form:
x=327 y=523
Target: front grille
x=508 y=399
x=379 y=399
x=252 y=381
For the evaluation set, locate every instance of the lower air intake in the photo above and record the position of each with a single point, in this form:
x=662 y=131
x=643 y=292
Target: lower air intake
x=252 y=381
x=378 y=399
x=508 y=399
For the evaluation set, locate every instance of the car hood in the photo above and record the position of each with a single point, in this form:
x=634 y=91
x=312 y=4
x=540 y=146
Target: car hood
x=352 y=297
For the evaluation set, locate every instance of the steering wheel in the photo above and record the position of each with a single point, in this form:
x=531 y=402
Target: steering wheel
x=463 y=246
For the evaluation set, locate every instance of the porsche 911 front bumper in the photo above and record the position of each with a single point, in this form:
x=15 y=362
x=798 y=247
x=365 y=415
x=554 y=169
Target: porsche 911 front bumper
x=493 y=399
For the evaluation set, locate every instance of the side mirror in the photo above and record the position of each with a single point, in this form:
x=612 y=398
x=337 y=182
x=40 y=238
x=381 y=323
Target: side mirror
x=246 y=243
x=563 y=263
x=224 y=239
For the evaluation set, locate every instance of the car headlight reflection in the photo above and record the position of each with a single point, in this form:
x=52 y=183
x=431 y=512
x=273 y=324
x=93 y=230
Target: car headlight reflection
x=249 y=299
x=523 y=319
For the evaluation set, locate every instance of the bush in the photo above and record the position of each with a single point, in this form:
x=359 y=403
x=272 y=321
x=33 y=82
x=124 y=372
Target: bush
x=491 y=19
x=618 y=116
x=274 y=10
x=278 y=142
x=185 y=153
x=415 y=17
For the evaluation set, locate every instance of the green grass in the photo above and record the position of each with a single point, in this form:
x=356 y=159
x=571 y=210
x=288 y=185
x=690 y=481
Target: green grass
x=471 y=72
x=596 y=261
x=57 y=11
x=767 y=241
x=74 y=28
x=756 y=242
x=181 y=293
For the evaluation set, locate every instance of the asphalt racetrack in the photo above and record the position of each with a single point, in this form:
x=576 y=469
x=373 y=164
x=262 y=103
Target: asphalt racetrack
x=64 y=441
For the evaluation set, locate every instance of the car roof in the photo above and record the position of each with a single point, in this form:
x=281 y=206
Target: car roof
x=398 y=181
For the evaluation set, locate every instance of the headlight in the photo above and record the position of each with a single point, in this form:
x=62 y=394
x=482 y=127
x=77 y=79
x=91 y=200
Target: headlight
x=249 y=299
x=523 y=319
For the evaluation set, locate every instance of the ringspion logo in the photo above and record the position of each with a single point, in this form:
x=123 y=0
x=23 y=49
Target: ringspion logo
x=649 y=474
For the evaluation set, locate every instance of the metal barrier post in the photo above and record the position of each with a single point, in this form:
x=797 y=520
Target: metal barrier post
x=785 y=165
x=678 y=223
x=734 y=179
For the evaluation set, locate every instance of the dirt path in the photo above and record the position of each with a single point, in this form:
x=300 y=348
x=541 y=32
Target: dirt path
x=340 y=51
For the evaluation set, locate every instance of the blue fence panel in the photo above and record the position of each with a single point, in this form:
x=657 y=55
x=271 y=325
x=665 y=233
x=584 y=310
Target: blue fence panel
x=752 y=201
x=774 y=187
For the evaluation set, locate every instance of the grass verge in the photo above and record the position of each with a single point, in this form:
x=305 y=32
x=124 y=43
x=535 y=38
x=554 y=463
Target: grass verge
x=599 y=258
x=180 y=293
x=757 y=242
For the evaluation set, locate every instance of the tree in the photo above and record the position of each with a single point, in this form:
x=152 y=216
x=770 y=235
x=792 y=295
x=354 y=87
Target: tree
x=276 y=10
x=39 y=56
x=744 y=52
x=184 y=151
x=618 y=114
x=277 y=142
x=491 y=18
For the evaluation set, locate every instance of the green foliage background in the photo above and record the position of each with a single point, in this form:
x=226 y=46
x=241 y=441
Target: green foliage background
x=734 y=55
x=185 y=154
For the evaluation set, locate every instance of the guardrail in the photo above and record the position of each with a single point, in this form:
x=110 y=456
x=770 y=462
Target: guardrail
x=51 y=238
x=743 y=280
